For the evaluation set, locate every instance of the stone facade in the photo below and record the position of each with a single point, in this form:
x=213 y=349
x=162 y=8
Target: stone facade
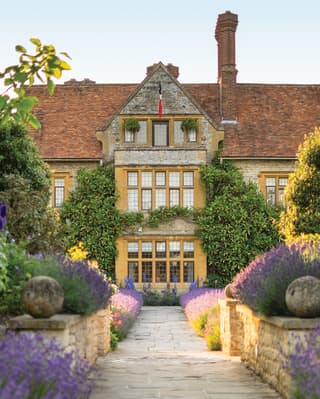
x=71 y=168
x=263 y=343
x=253 y=169
x=88 y=336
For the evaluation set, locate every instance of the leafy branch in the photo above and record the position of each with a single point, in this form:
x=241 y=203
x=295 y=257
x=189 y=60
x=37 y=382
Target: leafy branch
x=45 y=65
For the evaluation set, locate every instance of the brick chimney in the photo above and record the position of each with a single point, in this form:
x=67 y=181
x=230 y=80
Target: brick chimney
x=227 y=73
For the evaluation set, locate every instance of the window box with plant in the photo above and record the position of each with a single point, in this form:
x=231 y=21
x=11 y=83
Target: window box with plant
x=131 y=127
x=190 y=127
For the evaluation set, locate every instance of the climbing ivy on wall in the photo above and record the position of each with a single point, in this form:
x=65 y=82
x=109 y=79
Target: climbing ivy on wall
x=234 y=227
x=90 y=216
x=236 y=224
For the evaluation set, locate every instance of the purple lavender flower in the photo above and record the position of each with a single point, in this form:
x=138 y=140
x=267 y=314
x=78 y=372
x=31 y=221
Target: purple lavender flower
x=199 y=300
x=3 y=215
x=128 y=300
x=93 y=290
x=125 y=307
x=31 y=367
x=304 y=366
x=263 y=283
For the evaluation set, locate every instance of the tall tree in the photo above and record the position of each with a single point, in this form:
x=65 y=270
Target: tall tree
x=302 y=197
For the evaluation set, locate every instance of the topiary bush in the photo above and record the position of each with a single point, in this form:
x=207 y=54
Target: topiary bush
x=33 y=368
x=263 y=283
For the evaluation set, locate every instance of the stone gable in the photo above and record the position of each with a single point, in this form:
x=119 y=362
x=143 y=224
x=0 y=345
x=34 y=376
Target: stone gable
x=146 y=99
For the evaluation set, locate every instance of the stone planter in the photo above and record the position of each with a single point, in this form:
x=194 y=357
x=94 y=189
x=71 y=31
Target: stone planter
x=263 y=343
x=88 y=336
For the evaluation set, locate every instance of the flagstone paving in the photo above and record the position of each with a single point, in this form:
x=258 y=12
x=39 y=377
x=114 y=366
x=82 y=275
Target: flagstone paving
x=163 y=358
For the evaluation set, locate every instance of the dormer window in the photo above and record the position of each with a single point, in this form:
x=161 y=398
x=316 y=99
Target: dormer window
x=160 y=134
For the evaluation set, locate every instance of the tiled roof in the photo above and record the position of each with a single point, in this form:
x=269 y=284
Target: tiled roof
x=71 y=117
x=272 y=119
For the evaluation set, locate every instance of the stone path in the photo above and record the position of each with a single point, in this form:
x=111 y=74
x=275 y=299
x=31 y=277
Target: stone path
x=163 y=358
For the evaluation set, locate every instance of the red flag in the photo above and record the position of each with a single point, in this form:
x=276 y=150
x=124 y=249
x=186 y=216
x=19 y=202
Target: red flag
x=160 y=102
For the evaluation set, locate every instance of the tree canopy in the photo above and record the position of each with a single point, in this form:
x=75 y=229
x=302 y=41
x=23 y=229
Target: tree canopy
x=302 y=195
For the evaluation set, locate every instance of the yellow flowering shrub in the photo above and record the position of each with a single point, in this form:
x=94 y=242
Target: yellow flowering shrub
x=77 y=252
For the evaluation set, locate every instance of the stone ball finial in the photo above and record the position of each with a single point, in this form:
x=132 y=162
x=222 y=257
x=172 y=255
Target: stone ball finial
x=42 y=297
x=229 y=291
x=303 y=297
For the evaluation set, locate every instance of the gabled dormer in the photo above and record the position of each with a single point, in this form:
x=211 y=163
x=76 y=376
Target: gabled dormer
x=158 y=129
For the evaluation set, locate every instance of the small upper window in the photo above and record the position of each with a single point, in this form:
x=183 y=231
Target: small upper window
x=59 y=192
x=160 y=136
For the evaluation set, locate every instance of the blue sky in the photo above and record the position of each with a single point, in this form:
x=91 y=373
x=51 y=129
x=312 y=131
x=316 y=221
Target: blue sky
x=114 y=41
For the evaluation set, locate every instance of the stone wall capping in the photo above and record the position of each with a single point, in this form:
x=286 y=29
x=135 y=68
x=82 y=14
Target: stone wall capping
x=286 y=322
x=88 y=335
x=56 y=322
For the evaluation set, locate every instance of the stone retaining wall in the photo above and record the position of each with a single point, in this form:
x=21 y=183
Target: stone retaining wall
x=88 y=336
x=263 y=343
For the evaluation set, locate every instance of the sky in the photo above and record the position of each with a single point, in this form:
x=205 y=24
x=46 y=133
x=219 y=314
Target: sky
x=113 y=41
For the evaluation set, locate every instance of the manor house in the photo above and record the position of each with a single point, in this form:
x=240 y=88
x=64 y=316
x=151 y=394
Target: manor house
x=180 y=127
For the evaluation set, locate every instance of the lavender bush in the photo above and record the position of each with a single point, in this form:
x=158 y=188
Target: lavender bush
x=129 y=300
x=125 y=307
x=201 y=308
x=200 y=300
x=304 y=366
x=86 y=290
x=263 y=283
x=33 y=368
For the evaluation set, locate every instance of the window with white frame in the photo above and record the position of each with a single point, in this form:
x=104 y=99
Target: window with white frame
x=59 y=192
x=59 y=188
x=160 y=134
x=146 y=199
x=133 y=179
x=133 y=200
x=160 y=188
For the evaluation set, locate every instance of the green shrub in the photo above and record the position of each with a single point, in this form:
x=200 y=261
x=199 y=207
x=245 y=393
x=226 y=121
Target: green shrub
x=20 y=157
x=15 y=264
x=30 y=221
x=157 y=298
x=302 y=196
